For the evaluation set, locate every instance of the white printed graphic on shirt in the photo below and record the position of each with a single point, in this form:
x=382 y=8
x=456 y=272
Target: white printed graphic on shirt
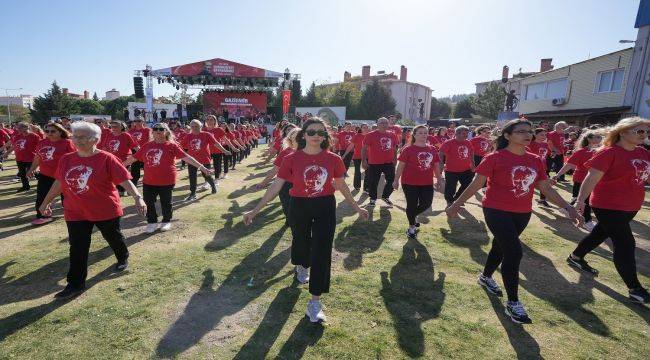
x=523 y=178
x=425 y=159
x=385 y=143
x=641 y=171
x=463 y=152
x=77 y=178
x=153 y=157
x=314 y=177
x=113 y=145
x=195 y=144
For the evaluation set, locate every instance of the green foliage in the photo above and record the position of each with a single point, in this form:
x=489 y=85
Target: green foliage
x=490 y=102
x=406 y=122
x=311 y=99
x=347 y=95
x=88 y=106
x=18 y=113
x=95 y=97
x=439 y=109
x=52 y=103
x=375 y=102
x=115 y=107
x=296 y=93
x=464 y=108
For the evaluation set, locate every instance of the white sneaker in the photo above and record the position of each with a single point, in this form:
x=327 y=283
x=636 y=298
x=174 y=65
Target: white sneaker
x=590 y=225
x=302 y=274
x=165 y=226
x=151 y=228
x=315 y=311
x=204 y=187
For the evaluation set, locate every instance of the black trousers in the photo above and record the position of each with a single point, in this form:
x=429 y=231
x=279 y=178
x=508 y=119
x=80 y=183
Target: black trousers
x=150 y=193
x=346 y=159
x=312 y=222
x=452 y=179
x=555 y=163
x=506 y=247
x=576 y=190
x=418 y=200
x=80 y=233
x=135 y=171
x=227 y=159
x=191 y=171
x=216 y=162
x=357 y=176
x=42 y=188
x=375 y=171
x=285 y=198
x=477 y=160
x=23 y=167
x=614 y=224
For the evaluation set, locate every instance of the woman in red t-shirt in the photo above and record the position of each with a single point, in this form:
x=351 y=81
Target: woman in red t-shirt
x=481 y=143
x=23 y=143
x=616 y=180
x=315 y=173
x=357 y=141
x=417 y=165
x=540 y=147
x=235 y=137
x=48 y=154
x=197 y=143
x=457 y=154
x=512 y=175
x=159 y=159
x=87 y=178
x=587 y=145
x=220 y=135
x=141 y=135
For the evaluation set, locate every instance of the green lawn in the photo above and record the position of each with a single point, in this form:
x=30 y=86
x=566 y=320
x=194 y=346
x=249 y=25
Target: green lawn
x=213 y=288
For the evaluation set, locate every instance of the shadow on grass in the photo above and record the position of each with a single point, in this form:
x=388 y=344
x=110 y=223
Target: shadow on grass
x=362 y=237
x=303 y=336
x=412 y=295
x=468 y=232
x=19 y=320
x=207 y=307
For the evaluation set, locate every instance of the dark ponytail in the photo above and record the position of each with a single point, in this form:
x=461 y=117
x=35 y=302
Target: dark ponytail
x=501 y=142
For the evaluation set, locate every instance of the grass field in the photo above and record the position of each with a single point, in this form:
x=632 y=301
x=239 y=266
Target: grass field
x=213 y=288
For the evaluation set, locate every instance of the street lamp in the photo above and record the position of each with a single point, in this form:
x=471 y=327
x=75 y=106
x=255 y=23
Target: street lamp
x=8 y=102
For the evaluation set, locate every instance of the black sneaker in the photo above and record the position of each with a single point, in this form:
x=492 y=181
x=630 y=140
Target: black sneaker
x=543 y=203
x=121 y=266
x=190 y=197
x=214 y=190
x=490 y=285
x=69 y=291
x=22 y=189
x=387 y=201
x=372 y=203
x=517 y=313
x=417 y=225
x=411 y=233
x=640 y=295
x=581 y=264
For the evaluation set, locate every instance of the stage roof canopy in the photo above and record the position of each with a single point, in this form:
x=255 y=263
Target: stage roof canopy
x=216 y=68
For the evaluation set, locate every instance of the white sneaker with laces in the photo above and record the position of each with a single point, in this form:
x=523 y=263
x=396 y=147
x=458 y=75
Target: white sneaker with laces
x=302 y=274
x=204 y=187
x=151 y=228
x=165 y=226
x=315 y=311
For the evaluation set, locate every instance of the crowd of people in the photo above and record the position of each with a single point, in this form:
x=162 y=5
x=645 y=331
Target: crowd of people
x=92 y=165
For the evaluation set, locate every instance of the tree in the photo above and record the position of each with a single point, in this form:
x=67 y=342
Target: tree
x=88 y=107
x=115 y=107
x=375 y=102
x=296 y=93
x=464 y=108
x=95 y=97
x=439 y=109
x=18 y=113
x=490 y=102
x=347 y=95
x=52 y=103
x=406 y=122
x=311 y=99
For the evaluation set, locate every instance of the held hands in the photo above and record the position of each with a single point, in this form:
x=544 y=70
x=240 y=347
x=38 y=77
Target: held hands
x=261 y=185
x=574 y=214
x=228 y=152
x=141 y=206
x=30 y=174
x=396 y=184
x=249 y=216
x=453 y=209
x=207 y=171
x=579 y=207
x=364 y=165
x=45 y=209
x=363 y=214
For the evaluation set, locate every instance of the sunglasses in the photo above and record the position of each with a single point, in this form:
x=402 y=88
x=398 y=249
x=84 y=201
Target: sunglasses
x=639 y=132
x=158 y=129
x=49 y=131
x=322 y=133
x=524 y=132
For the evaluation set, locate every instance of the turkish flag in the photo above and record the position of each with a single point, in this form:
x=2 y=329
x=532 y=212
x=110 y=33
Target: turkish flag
x=286 y=99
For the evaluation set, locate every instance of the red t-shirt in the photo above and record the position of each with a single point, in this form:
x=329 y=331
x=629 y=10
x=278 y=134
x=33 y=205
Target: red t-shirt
x=179 y=134
x=141 y=136
x=558 y=141
x=3 y=136
x=25 y=146
x=381 y=147
x=458 y=155
x=198 y=146
x=420 y=162
x=622 y=187
x=88 y=186
x=345 y=138
x=281 y=155
x=480 y=145
x=50 y=152
x=275 y=133
x=311 y=175
x=159 y=162
x=357 y=140
x=219 y=135
x=119 y=145
x=397 y=130
x=579 y=158
x=511 y=180
x=434 y=141
x=540 y=149
x=277 y=144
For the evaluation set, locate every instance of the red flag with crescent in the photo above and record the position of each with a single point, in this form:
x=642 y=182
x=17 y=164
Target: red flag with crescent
x=286 y=99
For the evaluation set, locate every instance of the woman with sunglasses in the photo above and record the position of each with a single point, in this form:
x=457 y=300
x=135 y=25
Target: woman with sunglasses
x=512 y=174
x=198 y=143
x=615 y=185
x=48 y=154
x=142 y=135
x=315 y=173
x=587 y=145
x=159 y=159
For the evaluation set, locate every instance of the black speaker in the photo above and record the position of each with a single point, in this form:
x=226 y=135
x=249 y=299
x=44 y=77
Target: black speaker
x=138 y=87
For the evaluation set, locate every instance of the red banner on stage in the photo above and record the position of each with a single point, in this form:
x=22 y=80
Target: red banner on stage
x=218 y=67
x=286 y=100
x=237 y=104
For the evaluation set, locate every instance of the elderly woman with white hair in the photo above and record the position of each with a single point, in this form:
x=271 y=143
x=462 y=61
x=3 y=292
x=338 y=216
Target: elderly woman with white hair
x=198 y=143
x=88 y=179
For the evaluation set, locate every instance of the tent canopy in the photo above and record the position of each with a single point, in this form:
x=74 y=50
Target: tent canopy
x=216 y=68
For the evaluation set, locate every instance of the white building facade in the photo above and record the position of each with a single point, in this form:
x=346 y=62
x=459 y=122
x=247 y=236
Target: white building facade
x=26 y=101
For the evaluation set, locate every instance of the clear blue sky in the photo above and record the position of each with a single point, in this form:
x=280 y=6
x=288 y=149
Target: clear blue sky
x=447 y=45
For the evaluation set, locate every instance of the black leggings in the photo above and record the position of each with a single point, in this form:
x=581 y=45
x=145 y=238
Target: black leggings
x=576 y=190
x=375 y=171
x=42 y=188
x=506 y=247
x=80 y=233
x=346 y=159
x=285 y=198
x=216 y=162
x=418 y=200
x=23 y=167
x=555 y=163
x=191 y=171
x=150 y=193
x=227 y=159
x=357 y=176
x=135 y=171
x=451 y=181
x=313 y=221
x=614 y=224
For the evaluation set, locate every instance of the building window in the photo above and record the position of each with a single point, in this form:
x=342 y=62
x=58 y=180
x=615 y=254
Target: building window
x=547 y=90
x=535 y=91
x=610 y=81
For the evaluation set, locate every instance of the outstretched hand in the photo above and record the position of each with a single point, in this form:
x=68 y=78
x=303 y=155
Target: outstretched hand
x=452 y=210
x=363 y=214
x=249 y=216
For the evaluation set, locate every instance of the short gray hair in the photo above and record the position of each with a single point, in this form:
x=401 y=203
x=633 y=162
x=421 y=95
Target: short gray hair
x=195 y=121
x=461 y=128
x=89 y=128
x=557 y=125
